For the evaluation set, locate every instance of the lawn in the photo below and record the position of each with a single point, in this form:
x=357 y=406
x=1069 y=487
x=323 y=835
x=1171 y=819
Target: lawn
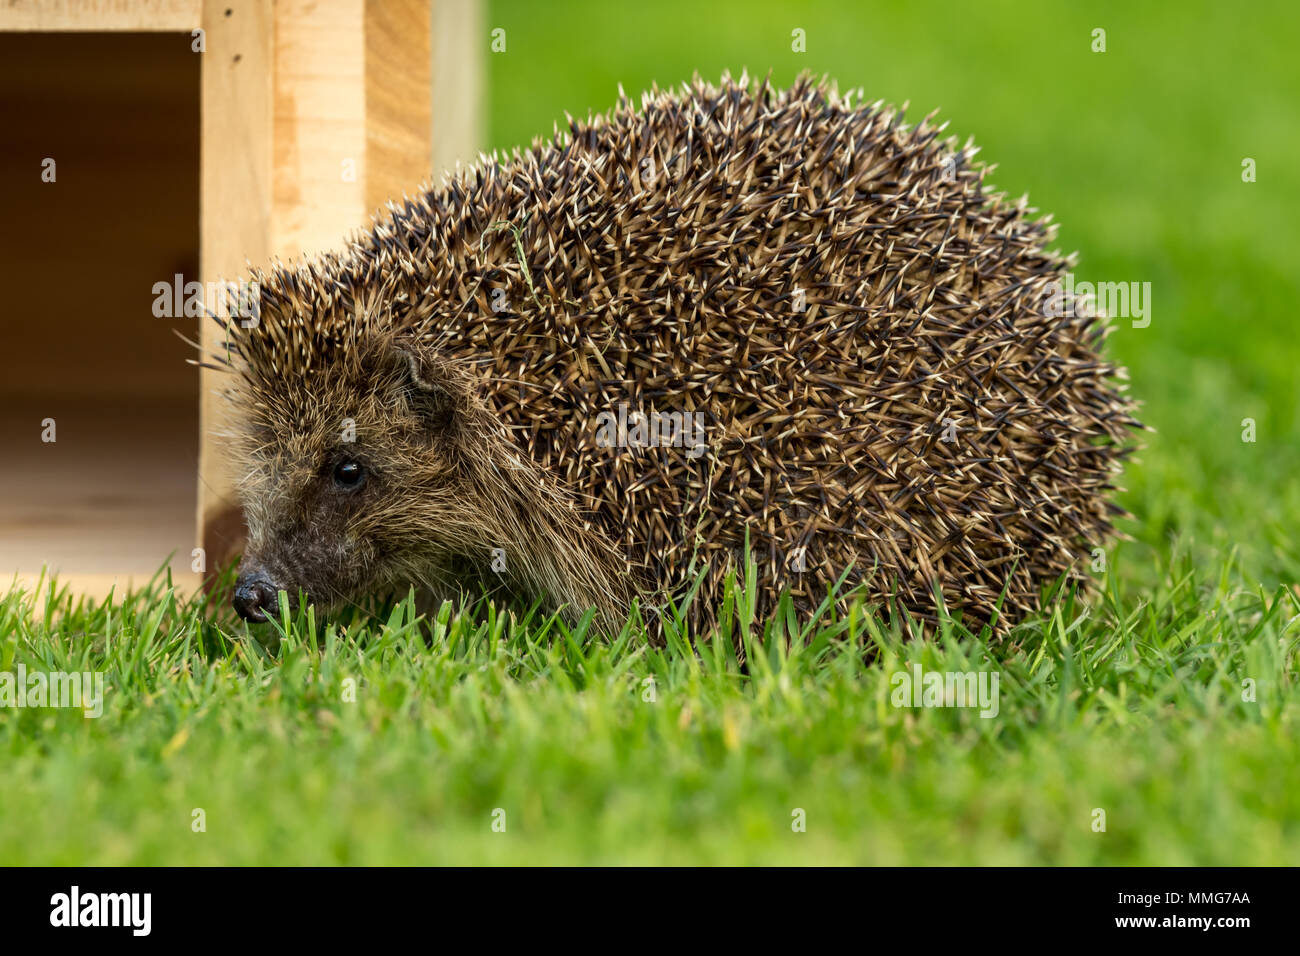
x=1152 y=721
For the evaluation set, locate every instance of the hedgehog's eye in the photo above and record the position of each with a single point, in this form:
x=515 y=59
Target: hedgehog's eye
x=348 y=475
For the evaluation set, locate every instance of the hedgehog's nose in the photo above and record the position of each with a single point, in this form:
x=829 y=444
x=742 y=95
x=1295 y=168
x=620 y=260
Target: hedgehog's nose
x=255 y=596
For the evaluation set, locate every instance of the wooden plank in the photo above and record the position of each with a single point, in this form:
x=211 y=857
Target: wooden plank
x=320 y=124
x=399 y=90
x=235 y=228
x=459 y=42
x=100 y=15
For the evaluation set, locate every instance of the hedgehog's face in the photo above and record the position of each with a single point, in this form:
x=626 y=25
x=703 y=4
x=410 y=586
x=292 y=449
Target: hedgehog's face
x=347 y=471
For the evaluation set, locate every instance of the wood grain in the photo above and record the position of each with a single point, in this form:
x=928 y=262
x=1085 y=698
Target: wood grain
x=100 y=15
x=319 y=128
x=235 y=218
x=399 y=85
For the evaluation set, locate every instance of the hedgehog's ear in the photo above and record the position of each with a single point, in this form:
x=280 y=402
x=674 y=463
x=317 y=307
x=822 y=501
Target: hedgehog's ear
x=432 y=390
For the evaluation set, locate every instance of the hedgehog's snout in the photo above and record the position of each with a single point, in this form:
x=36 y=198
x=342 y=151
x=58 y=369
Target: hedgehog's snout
x=256 y=596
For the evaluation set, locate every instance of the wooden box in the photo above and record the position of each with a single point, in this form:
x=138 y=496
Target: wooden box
x=166 y=138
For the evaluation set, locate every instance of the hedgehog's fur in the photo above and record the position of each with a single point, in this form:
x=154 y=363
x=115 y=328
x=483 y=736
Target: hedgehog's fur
x=659 y=259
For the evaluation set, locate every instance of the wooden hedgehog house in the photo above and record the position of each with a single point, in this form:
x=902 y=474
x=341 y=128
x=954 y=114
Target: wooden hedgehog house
x=155 y=148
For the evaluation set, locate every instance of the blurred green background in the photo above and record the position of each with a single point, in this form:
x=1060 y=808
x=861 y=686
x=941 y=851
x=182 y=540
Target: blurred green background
x=1137 y=152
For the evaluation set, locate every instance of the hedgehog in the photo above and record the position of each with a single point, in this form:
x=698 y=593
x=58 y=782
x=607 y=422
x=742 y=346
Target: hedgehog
x=737 y=326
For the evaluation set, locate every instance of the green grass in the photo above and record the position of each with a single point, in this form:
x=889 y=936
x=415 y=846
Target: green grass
x=1130 y=702
x=1134 y=707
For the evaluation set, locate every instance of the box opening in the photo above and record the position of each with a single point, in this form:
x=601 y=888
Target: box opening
x=101 y=174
